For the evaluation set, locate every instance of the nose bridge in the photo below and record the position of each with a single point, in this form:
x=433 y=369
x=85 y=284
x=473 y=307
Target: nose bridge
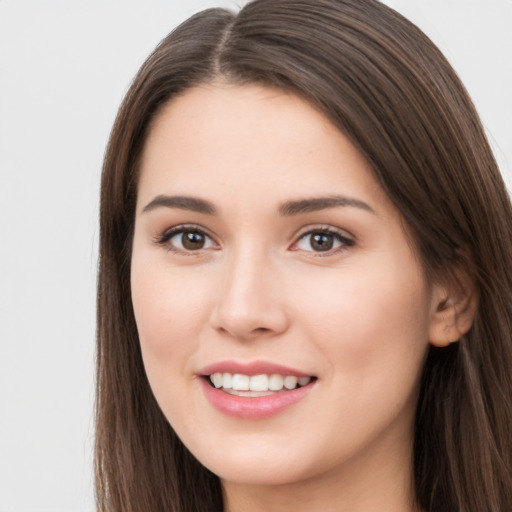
x=248 y=305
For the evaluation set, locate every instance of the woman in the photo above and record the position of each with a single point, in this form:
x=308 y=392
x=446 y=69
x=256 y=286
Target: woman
x=306 y=272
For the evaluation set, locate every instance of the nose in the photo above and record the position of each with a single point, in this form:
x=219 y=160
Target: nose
x=251 y=301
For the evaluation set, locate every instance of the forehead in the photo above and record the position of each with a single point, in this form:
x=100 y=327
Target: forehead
x=239 y=141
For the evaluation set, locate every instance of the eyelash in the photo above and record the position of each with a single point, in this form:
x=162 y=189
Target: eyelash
x=344 y=241
x=165 y=238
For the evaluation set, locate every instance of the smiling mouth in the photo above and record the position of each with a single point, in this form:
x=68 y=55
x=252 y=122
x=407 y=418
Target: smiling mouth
x=256 y=385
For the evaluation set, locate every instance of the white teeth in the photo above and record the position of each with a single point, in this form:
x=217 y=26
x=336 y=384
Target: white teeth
x=249 y=393
x=276 y=382
x=240 y=382
x=227 y=380
x=256 y=383
x=217 y=380
x=290 y=382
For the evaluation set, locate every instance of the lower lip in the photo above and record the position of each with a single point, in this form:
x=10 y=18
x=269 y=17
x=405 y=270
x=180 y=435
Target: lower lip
x=253 y=408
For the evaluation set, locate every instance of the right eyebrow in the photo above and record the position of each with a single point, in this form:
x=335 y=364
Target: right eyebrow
x=182 y=203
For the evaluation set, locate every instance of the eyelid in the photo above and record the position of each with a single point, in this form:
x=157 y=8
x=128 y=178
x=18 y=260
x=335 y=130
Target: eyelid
x=347 y=240
x=164 y=238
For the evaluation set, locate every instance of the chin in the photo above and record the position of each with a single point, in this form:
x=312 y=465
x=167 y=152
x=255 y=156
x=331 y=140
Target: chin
x=261 y=462
x=259 y=473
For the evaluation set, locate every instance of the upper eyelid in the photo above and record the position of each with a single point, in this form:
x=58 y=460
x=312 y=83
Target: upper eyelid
x=169 y=232
x=343 y=233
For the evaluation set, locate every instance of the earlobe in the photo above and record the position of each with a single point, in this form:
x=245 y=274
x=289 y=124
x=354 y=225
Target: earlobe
x=452 y=315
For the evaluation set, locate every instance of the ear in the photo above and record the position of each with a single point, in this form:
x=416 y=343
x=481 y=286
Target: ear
x=453 y=309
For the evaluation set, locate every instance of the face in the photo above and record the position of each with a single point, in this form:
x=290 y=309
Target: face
x=267 y=259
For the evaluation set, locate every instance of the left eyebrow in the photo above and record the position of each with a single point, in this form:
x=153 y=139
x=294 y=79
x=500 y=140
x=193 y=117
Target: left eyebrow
x=321 y=203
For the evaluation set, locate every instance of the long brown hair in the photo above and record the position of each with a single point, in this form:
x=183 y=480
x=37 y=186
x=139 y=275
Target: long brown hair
x=392 y=93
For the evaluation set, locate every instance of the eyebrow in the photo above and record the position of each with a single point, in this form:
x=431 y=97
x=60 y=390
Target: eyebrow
x=321 y=203
x=287 y=209
x=182 y=203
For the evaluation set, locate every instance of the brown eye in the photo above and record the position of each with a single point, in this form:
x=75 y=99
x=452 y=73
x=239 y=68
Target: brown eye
x=192 y=240
x=322 y=241
x=183 y=239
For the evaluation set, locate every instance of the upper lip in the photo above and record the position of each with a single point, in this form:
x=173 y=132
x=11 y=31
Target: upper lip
x=251 y=368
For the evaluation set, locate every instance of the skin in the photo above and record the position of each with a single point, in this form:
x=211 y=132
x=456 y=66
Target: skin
x=359 y=317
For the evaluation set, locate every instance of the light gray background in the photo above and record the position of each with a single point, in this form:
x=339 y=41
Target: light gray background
x=64 y=67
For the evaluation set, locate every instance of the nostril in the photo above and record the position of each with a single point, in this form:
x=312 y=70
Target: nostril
x=261 y=330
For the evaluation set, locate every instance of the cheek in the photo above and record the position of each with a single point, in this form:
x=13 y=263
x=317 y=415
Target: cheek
x=170 y=310
x=372 y=329
x=369 y=320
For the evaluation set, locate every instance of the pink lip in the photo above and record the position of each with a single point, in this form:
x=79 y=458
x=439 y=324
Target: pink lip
x=252 y=408
x=252 y=368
